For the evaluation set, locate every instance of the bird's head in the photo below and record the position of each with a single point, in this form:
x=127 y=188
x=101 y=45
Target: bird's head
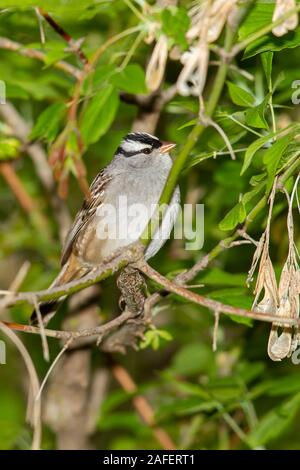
x=142 y=148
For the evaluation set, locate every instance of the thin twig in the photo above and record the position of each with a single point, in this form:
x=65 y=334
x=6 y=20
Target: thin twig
x=62 y=351
x=42 y=329
x=73 y=45
x=216 y=329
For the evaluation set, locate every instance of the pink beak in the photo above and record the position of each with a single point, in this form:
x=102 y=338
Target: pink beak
x=166 y=147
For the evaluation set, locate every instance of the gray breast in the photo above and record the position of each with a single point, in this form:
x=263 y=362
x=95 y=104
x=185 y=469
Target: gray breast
x=132 y=196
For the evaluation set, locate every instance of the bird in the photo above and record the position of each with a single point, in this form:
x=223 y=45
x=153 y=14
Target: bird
x=121 y=202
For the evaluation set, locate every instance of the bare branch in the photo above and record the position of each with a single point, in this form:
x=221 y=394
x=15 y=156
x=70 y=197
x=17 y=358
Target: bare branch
x=73 y=45
x=120 y=259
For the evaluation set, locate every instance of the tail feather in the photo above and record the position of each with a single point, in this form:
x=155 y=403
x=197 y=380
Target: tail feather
x=71 y=270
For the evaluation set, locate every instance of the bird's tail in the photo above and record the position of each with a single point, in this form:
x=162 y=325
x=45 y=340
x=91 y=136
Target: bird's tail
x=71 y=270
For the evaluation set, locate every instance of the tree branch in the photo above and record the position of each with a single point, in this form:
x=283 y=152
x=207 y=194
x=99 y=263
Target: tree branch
x=120 y=259
x=74 y=45
x=209 y=303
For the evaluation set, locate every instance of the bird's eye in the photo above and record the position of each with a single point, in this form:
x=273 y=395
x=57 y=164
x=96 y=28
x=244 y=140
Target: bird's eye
x=147 y=151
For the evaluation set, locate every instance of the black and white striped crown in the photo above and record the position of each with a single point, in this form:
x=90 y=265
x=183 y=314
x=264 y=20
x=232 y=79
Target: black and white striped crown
x=136 y=143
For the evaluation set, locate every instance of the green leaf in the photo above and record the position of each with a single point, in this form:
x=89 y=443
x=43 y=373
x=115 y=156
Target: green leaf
x=247 y=197
x=131 y=79
x=126 y=420
x=175 y=23
x=285 y=385
x=48 y=122
x=255 y=117
x=274 y=423
x=55 y=51
x=193 y=358
x=258 y=143
x=259 y=15
x=241 y=320
x=9 y=148
x=273 y=155
x=153 y=336
x=234 y=217
x=237 y=297
x=99 y=114
x=101 y=75
x=239 y=96
x=218 y=277
x=190 y=123
x=11 y=416
x=273 y=43
x=186 y=407
x=267 y=59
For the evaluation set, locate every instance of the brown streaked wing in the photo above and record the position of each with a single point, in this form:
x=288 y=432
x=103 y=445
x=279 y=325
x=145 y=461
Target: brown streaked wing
x=86 y=213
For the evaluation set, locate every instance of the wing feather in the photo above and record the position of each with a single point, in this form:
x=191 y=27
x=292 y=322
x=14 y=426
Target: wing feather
x=86 y=214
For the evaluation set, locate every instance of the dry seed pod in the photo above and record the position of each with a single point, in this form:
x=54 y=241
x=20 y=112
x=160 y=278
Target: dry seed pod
x=256 y=257
x=157 y=64
x=218 y=16
x=215 y=12
x=197 y=14
x=266 y=280
x=297 y=280
x=282 y=7
x=267 y=304
x=279 y=346
x=175 y=53
x=192 y=78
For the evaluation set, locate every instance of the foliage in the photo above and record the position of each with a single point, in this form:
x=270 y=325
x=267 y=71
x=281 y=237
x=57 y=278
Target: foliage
x=234 y=398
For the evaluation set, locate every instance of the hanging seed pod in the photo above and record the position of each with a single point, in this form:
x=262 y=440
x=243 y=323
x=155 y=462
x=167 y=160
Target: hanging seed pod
x=192 y=78
x=255 y=259
x=187 y=80
x=218 y=15
x=297 y=281
x=216 y=12
x=197 y=14
x=291 y=23
x=157 y=64
x=267 y=304
x=280 y=345
x=266 y=280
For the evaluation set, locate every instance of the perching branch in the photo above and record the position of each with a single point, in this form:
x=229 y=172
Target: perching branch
x=106 y=269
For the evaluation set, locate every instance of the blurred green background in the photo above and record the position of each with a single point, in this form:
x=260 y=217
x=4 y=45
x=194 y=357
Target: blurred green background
x=236 y=397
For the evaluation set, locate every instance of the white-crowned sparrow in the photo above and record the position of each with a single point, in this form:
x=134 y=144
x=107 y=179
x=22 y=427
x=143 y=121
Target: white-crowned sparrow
x=135 y=177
